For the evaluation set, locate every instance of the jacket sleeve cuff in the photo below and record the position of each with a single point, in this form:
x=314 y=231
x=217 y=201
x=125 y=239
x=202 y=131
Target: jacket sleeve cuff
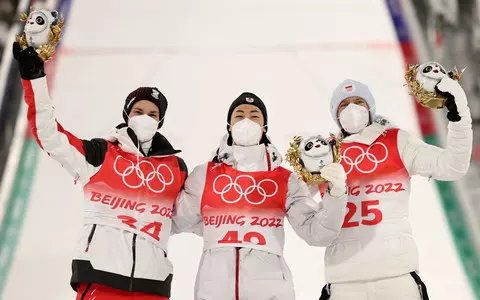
x=335 y=209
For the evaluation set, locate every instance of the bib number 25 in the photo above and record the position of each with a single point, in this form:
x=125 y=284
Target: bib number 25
x=371 y=215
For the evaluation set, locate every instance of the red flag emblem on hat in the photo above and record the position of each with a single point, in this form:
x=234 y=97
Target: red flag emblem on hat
x=349 y=88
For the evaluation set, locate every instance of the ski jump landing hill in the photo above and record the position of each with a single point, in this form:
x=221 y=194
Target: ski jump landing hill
x=202 y=55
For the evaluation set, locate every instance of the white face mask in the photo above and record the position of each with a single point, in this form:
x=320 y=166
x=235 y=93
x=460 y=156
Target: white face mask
x=144 y=127
x=354 y=118
x=246 y=133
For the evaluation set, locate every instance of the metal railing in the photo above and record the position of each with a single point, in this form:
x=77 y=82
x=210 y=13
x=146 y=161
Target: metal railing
x=11 y=94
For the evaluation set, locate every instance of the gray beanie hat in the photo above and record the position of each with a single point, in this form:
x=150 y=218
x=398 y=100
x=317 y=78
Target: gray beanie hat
x=351 y=88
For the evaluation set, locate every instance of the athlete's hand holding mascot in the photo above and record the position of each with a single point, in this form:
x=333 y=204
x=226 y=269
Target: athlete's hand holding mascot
x=375 y=255
x=130 y=181
x=239 y=201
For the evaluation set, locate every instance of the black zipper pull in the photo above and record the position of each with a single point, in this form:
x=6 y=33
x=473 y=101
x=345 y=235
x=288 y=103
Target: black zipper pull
x=134 y=254
x=90 y=237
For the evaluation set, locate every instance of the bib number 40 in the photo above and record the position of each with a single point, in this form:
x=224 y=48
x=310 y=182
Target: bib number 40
x=232 y=238
x=371 y=215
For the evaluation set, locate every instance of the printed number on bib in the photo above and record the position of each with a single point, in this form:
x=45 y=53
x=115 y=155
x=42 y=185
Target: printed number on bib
x=370 y=214
x=152 y=229
x=250 y=237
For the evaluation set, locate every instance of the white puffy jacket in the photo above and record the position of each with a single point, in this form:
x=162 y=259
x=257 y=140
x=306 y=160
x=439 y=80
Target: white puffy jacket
x=127 y=204
x=238 y=205
x=376 y=238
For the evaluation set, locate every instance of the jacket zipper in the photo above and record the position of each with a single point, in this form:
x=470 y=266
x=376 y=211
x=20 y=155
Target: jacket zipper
x=90 y=237
x=134 y=256
x=269 y=164
x=237 y=272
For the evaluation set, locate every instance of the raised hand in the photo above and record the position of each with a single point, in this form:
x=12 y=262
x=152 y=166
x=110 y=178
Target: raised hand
x=456 y=104
x=31 y=66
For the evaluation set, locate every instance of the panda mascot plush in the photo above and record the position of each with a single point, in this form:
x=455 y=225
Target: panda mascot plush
x=429 y=75
x=42 y=31
x=38 y=25
x=422 y=80
x=316 y=152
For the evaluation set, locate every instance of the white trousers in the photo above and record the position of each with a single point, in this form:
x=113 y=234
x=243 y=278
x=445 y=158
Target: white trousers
x=261 y=276
x=396 y=288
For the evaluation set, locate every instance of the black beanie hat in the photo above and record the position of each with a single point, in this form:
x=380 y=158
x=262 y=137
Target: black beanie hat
x=252 y=99
x=151 y=94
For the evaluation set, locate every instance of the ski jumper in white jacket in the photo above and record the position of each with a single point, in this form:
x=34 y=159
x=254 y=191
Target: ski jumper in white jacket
x=128 y=200
x=375 y=253
x=238 y=202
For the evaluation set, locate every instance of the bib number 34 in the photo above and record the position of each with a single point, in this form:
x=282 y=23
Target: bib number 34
x=152 y=229
x=371 y=215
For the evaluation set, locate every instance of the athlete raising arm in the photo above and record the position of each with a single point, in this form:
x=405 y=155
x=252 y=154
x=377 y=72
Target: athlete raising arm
x=375 y=255
x=130 y=181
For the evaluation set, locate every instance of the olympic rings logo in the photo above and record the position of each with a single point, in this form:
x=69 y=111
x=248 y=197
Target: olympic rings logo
x=155 y=180
x=364 y=156
x=260 y=189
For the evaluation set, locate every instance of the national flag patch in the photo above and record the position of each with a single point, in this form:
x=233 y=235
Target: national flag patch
x=349 y=88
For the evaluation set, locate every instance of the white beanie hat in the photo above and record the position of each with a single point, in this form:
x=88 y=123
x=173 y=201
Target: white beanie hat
x=351 y=88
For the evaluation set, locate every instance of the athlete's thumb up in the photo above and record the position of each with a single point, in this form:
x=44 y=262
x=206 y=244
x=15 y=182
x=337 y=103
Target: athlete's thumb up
x=336 y=177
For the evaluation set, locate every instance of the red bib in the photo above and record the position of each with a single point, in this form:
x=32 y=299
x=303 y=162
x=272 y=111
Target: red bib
x=244 y=209
x=375 y=238
x=378 y=185
x=134 y=193
x=153 y=178
x=228 y=189
x=379 y=160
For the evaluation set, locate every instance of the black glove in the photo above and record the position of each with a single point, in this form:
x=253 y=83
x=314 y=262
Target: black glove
x=450 y=104
x=31 y=66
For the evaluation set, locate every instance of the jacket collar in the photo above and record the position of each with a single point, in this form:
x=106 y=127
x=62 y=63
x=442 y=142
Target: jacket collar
x=128 y=142
x=248 y=159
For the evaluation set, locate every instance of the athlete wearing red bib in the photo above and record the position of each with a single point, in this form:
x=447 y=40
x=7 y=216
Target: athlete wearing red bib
x=375 y=255
x=239 y=202
x=130 y=181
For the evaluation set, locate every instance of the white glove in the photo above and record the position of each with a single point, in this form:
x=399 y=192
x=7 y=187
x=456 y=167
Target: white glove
x=336 y=177
x=450 y=86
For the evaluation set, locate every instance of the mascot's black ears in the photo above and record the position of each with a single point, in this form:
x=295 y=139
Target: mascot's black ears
x=55 y=16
